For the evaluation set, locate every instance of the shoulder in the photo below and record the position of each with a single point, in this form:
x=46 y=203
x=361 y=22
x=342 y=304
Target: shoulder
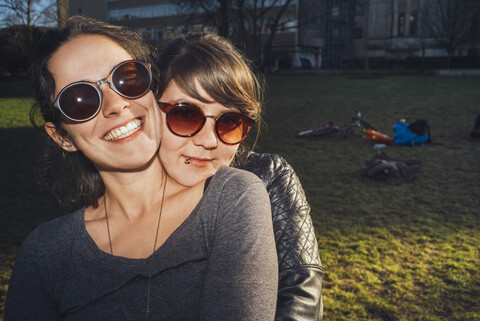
x=237 y=179
x=49 y=237
x=268 y=167
x=235 y=202
x=237 y=189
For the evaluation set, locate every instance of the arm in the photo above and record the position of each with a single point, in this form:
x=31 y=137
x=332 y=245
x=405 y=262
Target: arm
x=27 y=298
x=300 y=268
x=241 y=279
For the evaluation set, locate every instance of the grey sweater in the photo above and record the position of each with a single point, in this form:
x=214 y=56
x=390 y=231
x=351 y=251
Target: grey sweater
x=220 y=264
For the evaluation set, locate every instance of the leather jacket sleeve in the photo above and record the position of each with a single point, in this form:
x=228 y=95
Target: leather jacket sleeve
x=300 y=268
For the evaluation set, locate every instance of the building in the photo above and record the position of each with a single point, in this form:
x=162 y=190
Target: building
x=310 y=33
x=395 y=32
x=297 y=42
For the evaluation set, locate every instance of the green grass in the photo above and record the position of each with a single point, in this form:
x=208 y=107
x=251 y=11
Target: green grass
x=14 y=112
x=408 y=252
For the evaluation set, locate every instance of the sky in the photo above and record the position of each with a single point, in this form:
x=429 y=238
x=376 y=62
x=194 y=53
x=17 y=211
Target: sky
x=39 y=6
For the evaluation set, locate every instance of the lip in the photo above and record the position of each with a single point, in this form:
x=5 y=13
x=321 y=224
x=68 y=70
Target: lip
x=198 y=161
x=130 y=128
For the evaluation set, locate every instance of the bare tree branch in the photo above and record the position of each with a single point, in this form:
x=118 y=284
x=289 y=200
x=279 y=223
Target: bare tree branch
x=26 y=12
x=448 y=22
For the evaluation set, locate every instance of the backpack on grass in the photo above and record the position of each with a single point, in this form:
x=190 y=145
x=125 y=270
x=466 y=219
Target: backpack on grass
x=416 y=133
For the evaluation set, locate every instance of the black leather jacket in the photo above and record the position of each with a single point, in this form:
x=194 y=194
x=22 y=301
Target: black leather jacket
x=300 y=268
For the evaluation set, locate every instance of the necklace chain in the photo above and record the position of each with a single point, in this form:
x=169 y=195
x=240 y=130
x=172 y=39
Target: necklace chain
x=147 y=310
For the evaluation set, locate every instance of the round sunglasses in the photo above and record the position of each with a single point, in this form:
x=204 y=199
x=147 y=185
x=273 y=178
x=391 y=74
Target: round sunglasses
x=82 y=100
x=186 y=120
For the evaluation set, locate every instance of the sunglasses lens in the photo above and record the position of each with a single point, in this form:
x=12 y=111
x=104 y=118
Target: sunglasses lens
x=233 y=128
x=132 y=79
x=185 y=120
x=80 y=102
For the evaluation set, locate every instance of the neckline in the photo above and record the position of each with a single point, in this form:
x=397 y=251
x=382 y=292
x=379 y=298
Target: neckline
x=95 y=253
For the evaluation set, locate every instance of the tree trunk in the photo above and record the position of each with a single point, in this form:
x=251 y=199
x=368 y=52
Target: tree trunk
x=366 y=13
x=62 y=11
x=224 y=28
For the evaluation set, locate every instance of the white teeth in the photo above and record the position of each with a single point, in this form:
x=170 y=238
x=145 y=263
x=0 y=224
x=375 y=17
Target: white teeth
x=124 y=131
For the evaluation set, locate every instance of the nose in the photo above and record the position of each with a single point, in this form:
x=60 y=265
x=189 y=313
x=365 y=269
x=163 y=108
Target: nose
x=206 y=137
x=112 y=103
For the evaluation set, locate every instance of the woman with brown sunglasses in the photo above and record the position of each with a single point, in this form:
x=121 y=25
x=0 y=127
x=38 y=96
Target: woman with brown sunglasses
x=210 y=99
x=142 y=245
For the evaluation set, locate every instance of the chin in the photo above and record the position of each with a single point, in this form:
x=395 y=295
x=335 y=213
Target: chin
x=189 y=181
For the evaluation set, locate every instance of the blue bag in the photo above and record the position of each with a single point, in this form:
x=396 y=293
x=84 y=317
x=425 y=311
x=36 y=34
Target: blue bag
x=404 y=136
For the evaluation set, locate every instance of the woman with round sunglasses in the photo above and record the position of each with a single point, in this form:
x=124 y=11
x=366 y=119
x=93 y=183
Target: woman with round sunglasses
x=210 y=100
x=142 y=246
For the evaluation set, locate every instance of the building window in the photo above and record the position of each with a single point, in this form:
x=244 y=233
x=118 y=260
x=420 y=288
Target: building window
x=170 y=32
x=145 y=33
x=181 y=30
x=158 y=10
x=209 y=29
x=335 y=12
x=359 y=9
x=401 y=24
x=196 y=28
x=266 y=28
x=413 y=24
x=474 y=27
x=158 y=33
x=357 y=33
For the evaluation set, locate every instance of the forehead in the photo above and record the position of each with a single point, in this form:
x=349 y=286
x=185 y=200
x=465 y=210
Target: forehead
x=86 y=57
x=173 y=93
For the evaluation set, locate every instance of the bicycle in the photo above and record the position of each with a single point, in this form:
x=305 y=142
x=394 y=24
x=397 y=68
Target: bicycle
x=345 y=130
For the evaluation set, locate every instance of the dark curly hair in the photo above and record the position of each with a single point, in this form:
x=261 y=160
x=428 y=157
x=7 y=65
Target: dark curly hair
x=72 y=177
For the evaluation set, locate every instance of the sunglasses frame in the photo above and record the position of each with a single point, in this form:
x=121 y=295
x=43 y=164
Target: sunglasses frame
x=168 y=107
x=96 y=86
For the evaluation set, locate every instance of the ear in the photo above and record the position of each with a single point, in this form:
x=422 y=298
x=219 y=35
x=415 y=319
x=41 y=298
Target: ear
x=61 y=140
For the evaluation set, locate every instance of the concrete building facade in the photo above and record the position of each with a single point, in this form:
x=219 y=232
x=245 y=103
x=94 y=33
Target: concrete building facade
x=311 y=33
x=399 y=30
x=297 y=42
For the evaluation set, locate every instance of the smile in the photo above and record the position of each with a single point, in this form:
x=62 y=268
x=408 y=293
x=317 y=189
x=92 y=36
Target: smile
x=124 y=131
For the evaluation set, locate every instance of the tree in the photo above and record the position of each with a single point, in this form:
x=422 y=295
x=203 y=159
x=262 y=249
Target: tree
x=62 y=11
x=16 y=48
x=449 y=23
x=241 y=20
x=20 y=19
x=264 y=13
x=27 y=12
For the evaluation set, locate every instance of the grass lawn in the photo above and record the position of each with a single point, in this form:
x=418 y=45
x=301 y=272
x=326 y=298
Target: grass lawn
x=407 y=252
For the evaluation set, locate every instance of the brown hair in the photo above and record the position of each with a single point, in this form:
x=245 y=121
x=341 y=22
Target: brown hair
x=72 y=177
x=222 y=71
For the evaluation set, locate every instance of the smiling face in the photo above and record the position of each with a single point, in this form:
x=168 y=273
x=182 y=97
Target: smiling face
x=125 y=134
x=204 y=152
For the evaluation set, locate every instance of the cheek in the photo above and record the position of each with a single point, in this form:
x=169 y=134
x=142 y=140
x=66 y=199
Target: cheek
x=170 y=150
x=77 y=133
x=228 y=153
x=170 y=142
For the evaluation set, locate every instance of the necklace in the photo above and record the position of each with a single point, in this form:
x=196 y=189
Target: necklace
x=147 y=310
